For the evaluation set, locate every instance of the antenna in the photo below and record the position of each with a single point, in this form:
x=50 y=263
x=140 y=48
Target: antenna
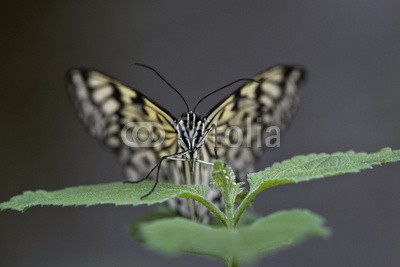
x=223 y=87
x=162 y=78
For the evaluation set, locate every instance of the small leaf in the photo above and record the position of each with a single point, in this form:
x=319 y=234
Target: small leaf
x=277 y=231
x=111 y=193
x=315 y=166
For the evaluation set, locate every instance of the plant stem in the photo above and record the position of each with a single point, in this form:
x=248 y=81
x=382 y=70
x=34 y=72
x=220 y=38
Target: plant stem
x=243 y=206
x=230 y=211
x=232 y=262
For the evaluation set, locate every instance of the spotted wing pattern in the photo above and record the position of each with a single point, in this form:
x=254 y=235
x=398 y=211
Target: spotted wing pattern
x=106 y=106
x=243 y=120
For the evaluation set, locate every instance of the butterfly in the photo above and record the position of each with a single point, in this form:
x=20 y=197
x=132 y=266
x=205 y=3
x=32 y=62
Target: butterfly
x=145 y=135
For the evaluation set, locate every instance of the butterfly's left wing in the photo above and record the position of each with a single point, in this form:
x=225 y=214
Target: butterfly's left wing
x=118 y=116
x=242 y=119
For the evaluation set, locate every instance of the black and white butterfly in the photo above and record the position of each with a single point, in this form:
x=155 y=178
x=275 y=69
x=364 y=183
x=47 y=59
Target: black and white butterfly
x=106 y=106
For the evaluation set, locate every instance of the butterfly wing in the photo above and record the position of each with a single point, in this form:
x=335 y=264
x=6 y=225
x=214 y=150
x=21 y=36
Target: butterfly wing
x=124 y=120
x=243 y=119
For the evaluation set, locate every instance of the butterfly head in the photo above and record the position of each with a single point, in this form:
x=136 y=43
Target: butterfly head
x=191 y=128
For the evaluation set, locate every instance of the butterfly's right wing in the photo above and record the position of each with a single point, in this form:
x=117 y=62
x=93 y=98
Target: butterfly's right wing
x=250 y=111
x=121 y=118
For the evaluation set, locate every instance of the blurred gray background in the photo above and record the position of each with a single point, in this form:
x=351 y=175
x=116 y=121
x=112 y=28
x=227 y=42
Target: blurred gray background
x=351 y=50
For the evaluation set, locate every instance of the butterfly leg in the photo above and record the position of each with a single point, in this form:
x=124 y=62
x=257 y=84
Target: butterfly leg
x=204 y=162
x=178 y=159
x=142 y=179
x=196 y=160
x=156 y=181
x=158 y=166
x=158 y=171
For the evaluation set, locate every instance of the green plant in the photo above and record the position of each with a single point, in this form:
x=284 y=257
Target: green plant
x=237 y=236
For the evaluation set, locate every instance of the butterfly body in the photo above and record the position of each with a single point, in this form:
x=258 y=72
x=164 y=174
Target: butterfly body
x=112 y=111
x=191 y=133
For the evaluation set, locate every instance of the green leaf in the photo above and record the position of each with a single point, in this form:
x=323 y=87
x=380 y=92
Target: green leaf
x=111 y=193
x=315 y=166
x=269 y=234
